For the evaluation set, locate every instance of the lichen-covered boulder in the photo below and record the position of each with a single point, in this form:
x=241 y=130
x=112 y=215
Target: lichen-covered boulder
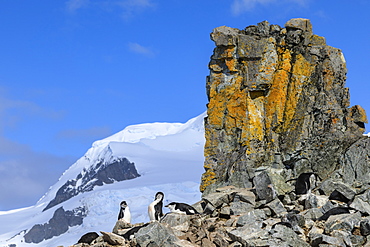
x=277 y=98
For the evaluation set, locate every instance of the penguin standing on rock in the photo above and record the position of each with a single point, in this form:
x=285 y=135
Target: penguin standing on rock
x=181 y=208
x=155 y=208
x=124 y=212
x=305 y=183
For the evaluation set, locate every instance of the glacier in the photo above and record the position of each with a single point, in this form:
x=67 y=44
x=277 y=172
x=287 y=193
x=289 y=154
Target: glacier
x=168 y=156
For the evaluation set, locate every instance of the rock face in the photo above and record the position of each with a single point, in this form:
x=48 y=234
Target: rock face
x=57 y=225
x=277 y=100
x=97 y=175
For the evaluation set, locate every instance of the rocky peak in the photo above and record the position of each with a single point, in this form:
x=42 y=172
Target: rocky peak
x=277 y=99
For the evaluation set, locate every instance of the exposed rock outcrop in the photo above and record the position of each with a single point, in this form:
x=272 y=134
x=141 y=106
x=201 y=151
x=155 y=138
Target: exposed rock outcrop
x=57 y=225
x=97 y=175
x=277 y=99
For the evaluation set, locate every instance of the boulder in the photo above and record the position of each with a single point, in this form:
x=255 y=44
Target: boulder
x=240 y=207
x=276 y=207
x=217 y=199
x=248 y=234
x=354 y=163
x=322 y=239
x=345 y=222
x=156 y=234
x=337 y=190
x=113 y=238
x=270 y=184
x=365 y=227
x=179 y=223
x=287 y=237
x=361 y=205
x=253 y=218
x=121 y=227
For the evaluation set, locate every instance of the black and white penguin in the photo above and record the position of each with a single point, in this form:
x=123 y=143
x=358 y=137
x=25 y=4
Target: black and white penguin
x=155 y=208
x=88 y=238
x=124 y=212
x=305 y=183
x=181 y=208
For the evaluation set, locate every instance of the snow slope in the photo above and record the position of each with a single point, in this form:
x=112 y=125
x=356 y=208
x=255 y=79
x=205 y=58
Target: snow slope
x=169 y=158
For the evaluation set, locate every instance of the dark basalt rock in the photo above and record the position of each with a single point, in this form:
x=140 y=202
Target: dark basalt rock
x=101 y=173
x=57 y=225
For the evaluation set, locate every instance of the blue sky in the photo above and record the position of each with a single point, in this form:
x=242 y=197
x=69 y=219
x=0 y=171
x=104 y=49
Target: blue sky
x=72 y=72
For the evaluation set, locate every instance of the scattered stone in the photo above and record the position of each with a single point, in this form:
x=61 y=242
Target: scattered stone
x=216 y=199
x=254 y=218
x=113 y=238
x=264 y=187
x=365 y=227
x=344 y=222
x=245 y=195
x=121 y=226
x=240 y=207
x=360 y=205
x=155 y=234
x=320 y=239
x=277 y=207
x=337 y=190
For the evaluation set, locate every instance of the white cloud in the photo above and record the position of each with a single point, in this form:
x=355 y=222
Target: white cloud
x=26 y=174
x=74 y=5
x=137 y=48
x=240 y=6
x=13 y=111
x=131 y=7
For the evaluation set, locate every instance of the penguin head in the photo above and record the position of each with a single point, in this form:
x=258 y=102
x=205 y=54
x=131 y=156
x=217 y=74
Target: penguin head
x=159 y=196
x=171 y=206
x=123 y=204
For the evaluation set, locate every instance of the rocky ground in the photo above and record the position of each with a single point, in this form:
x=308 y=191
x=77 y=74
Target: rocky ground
x=333 y=214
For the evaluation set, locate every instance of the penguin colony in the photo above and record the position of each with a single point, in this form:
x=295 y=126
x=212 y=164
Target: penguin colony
x=155 y=211
x=303 y=186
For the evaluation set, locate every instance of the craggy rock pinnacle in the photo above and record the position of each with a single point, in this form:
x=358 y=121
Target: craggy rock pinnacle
x=276 y=99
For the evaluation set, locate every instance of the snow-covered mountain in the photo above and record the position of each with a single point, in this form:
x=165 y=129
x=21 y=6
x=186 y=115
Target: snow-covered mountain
x=131 y=165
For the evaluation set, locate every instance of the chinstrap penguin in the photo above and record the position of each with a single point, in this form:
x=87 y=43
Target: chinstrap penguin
x=155 y=208
x=124 y=212
x=305 y=183
x=181 y=208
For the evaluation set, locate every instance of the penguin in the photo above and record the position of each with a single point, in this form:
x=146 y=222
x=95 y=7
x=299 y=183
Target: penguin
x=155 y=208
x=124 y=212
x=181 y=208
x=305 y=183
x=88 y=238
